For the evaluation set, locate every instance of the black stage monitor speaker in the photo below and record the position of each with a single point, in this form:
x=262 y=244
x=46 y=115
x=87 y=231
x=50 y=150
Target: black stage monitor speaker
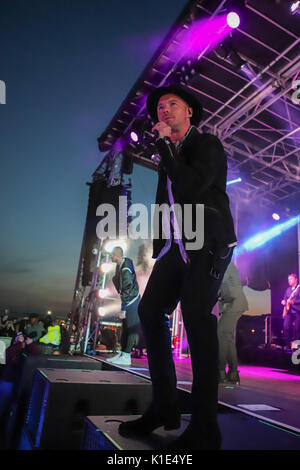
x=23 y=385
x=61 y=399
x=246 y=433
x=101 y=433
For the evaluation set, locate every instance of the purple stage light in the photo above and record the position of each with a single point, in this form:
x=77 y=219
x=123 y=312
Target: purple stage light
x=155 y=158
x=201 y=36
x=276 y=216
x=294 y=7
x=233 y=19
x=134 y=136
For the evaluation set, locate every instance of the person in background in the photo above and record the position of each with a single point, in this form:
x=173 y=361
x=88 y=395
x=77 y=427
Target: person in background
x=19 y=344
x=126 y=284
x=232 y=304
x=6 y=328
x=291 y=311
x=12 y=368
x=64 y=346
x=52 y=339
x=36 y=328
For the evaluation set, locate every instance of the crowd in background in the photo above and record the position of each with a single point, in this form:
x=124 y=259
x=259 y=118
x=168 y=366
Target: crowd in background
x=37 y=335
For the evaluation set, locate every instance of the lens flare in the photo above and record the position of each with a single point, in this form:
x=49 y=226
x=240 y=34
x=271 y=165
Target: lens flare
x=103 y=293
x=106 y=267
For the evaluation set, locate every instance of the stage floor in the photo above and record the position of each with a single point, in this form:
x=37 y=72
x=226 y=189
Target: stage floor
x=272 y=395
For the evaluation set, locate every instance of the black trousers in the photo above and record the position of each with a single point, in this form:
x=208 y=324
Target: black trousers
x=130 y=327
x=226 y=336
x=172 y=281
x=291 y=333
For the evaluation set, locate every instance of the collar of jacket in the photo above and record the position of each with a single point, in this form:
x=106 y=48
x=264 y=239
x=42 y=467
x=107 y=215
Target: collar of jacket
x=179 y=143
x=188 y=144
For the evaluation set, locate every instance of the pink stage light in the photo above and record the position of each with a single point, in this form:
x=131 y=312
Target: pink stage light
x=134 y=136
x=202 y=35
x=233 y=19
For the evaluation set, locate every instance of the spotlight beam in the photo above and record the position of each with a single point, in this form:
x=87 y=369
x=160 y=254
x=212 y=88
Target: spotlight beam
x=237 y=180
x=264 y=237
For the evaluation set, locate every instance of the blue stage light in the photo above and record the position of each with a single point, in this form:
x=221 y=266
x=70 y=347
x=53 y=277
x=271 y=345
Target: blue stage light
x=237 y=180
x=262 y=238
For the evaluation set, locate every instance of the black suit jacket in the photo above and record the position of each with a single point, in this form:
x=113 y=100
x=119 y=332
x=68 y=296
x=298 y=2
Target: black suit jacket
x=125 y=282
x=198 y=172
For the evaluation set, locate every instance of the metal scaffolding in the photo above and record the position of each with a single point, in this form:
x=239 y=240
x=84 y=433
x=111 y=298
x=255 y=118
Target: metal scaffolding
x=255 y=117
x=86 y=302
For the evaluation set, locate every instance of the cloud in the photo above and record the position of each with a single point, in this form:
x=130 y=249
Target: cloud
x=21 y=265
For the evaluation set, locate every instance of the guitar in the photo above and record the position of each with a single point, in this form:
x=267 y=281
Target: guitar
x=289 y=302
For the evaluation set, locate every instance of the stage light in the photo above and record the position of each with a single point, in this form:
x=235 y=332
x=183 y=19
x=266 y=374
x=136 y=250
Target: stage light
x=249 y=72
x=103 y=293
x=134 y=137
x=276 y=216
x=155 y=158
x=106 y=267
x=101 y=311
x=226 y=52
x=264 y=237
x=237 y=180
x=295 y=8
x=187 y=71
x=233 y=19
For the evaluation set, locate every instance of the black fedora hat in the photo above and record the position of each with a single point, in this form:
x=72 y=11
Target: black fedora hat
x=184 y=93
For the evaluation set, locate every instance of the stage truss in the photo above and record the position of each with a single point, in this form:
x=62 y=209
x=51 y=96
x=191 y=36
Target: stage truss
x=256 y=119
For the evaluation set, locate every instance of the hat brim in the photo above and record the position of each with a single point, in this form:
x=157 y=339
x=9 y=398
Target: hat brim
x=183 y=93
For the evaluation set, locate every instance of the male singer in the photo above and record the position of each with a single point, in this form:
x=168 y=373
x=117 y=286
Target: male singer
x=192 y=171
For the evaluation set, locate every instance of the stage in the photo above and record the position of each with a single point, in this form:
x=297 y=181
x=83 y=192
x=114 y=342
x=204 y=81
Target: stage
x=89 y=397
x=270 y=395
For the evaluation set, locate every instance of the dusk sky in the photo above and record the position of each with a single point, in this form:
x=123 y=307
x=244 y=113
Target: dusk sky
x=67 y=66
